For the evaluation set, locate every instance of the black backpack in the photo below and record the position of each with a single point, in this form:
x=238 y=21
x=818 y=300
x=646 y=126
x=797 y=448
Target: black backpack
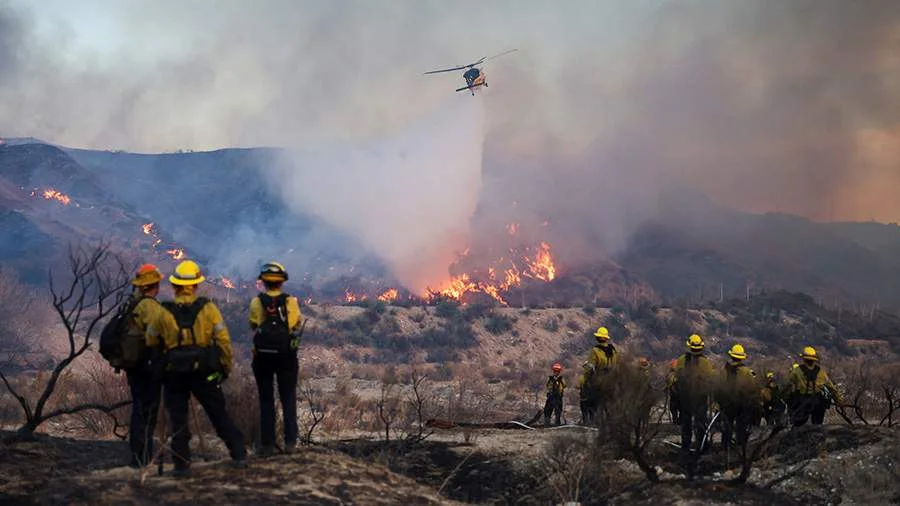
x=187 y=356
x=122 y=342
x=273 y=335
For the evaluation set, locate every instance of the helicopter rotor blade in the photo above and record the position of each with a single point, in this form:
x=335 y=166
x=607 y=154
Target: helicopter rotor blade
x=448 y=70
x=500 y=54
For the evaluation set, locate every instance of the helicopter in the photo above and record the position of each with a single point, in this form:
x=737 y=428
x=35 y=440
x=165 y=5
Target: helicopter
x=474 y=76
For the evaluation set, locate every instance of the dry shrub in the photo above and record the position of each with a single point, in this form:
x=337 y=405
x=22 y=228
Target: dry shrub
x=574 y=469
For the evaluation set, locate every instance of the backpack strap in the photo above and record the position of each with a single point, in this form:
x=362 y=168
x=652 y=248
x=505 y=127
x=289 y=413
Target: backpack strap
x=185 y=316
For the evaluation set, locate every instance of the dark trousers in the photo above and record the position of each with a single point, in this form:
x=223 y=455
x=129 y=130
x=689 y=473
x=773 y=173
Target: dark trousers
x=145 y=395
x=553 y=406
x=808 y=406
x=266 y=369
x=736 y=421
x=178 y=390
x=693 y=418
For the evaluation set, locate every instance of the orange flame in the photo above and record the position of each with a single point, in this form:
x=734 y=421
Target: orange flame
x=389 y=295
x=227 y=282
x=542 y=267
x=147 y=228
x=51 y=194
x=350 y=296
x=512 y=228
x=176 y=253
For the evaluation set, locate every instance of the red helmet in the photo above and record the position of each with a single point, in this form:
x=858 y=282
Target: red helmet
x=557 y=367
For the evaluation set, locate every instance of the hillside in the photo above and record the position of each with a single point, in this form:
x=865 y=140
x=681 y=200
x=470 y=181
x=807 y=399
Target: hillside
x=219 y=207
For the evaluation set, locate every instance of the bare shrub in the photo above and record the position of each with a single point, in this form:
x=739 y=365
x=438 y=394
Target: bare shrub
x=871 y=393
x=629 y=423
x=312 y=411
x=93 y=290
x=568 y=462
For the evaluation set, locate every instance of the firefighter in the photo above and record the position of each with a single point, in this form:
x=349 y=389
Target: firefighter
x=738 y=397
x=602 y=359
x=556 y=388
x=773 y=403
x=146 y=389
x=812 y=391
x=692 y=386
x=275 y=317
x=196 y=358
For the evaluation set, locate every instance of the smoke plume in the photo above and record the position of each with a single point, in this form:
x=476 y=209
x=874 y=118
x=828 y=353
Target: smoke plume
x=409 y=197
x=763 y=106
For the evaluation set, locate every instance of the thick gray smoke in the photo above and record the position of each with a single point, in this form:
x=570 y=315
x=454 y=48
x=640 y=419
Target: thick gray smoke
x=764 y=106
x=408 y=197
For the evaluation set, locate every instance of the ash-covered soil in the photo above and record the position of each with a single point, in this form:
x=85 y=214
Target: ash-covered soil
x=63 y=471
x=832 y=464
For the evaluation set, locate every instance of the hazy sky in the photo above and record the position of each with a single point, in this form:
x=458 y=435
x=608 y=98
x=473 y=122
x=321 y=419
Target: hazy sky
x=788 y=106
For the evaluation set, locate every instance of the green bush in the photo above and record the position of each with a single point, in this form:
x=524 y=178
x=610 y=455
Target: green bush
x=447 y=309
x=551 y=325
x=498 y=324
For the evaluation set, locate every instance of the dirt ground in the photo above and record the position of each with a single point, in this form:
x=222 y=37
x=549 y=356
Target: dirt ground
x=834 y=464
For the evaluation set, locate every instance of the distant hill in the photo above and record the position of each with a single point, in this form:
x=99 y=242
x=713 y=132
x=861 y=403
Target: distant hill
x=703 y=250
x=217 y=207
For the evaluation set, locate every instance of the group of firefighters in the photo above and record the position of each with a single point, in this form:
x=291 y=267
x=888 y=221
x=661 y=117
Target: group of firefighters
x=695 y=387
x=187 y=352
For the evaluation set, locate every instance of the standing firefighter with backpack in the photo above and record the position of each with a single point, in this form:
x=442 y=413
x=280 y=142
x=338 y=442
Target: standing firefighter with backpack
x=556 y=389
x=691 y=383
x=738 y=397
x=811 y=390
x=275 y=316
x=196 y=357
x=594 y=383
x=123 y=345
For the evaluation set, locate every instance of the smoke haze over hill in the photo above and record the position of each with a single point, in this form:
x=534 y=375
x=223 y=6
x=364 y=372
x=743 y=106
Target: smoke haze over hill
x=763 y=106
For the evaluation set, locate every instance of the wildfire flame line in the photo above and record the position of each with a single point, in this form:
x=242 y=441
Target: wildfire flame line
x=53 y=194
x=540 y=267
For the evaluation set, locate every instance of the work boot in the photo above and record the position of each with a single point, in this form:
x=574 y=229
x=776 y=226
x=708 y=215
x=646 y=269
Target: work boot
x=546 y=421
x=290 y=448
x=265 y=451
x=240 y=463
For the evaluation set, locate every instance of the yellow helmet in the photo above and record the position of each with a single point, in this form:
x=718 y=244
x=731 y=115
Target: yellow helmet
x=695 y=343
x=770 y=375
x=809 y=353
x=273 y=271
x=737 y=352
x=146 y=275
x=602 y=334
x=187 y=273
x=796 y=365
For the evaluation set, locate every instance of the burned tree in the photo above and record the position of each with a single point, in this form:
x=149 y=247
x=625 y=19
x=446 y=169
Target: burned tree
x=92 y=290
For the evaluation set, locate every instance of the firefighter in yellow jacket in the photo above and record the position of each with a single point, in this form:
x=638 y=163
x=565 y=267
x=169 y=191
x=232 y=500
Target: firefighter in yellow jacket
x=738 y=396
x=196 y=356
x=810 y=390
x=275 y=318
x=556 y=389
x=146 y=389
x=691 y=382
x=602 y=360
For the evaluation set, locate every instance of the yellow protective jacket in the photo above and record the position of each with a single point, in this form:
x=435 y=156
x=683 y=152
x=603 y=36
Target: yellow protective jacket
x=162 y=334
x=146 y=312
x=556 y=385
x=257 y=315
x=601 y=360
x=813 y=380
x=738 y=384
x=692 y=373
